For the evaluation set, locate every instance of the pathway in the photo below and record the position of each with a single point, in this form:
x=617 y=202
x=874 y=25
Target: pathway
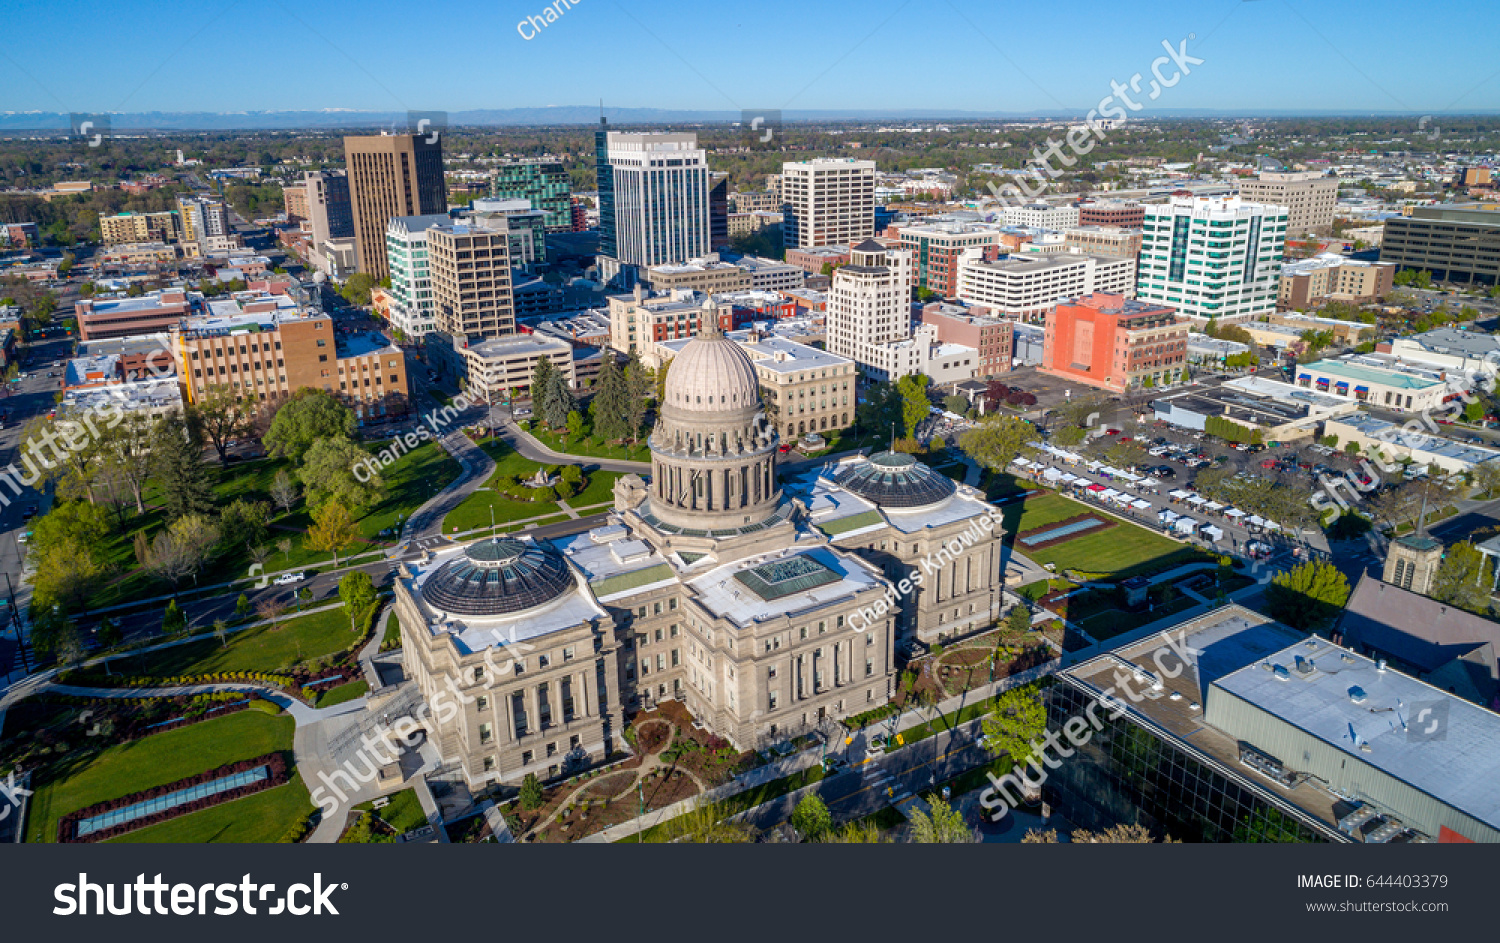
x=427 y=520
x=531 y=447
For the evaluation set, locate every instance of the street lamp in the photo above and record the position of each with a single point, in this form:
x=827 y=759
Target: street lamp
x=640 y=821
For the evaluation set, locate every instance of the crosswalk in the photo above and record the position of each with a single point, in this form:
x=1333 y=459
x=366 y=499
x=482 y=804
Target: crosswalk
x=884 y=784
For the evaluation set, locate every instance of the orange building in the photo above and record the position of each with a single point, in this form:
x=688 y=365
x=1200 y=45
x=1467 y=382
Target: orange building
x=1114 y=343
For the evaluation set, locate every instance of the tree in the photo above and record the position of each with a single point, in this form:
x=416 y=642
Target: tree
x=308 y=416
x=811 y=818
x=956 y=403
x=221 y=632
x=915 y=406
x=637 y=392
x=356 y=591
x=1019 y=718
x=242 y=606
x=108 y=633
x=1120 y=835
x=1084 y=411
x=332 y=529
x=942 y=826
x=223 y=418
x=125 y=452
x=857 y=833
x=182 y=547
x=531 y=792
x=610 y=408
x=243 y=524
x=1308 y=595
x=997 y=441
x=1487 y=478
x=356 y=289
x=271 y=610
x=661 y=380
x=1019 y=619
x=882 y=410
x=283 y=491
x=575 y=425
x=1126 y=455
x=328 y=474
x=174 y=620
x=177 y=466
x=542 y=391
x=285 y=546
x=1464 y=578
x=1068 y=436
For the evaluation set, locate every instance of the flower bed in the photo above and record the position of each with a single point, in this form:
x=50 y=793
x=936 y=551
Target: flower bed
x=608 y=787
x=279 y=774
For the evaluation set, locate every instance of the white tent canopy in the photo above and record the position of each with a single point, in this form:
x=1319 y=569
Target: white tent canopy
x=1140 y=505
x=1179 y=494
x=1184 y=525
x=1234 y=512
x=1212 y=533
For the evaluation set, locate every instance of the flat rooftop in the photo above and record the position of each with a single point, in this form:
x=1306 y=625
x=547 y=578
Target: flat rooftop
x=1362 y=373
x=1430 y=444
x=727 y=590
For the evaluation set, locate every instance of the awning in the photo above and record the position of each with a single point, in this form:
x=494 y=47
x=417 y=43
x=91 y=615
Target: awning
x=1021 y=462
x=1197 y=499
x=1149 y=482
x=1304 y=376
x=1096 y=487
x=1167 y=517
x=1361 y=389
x=1213 y=506
x=1068 y=479
x=1140 y=505
x=1179 y=494
x=1234 y=512
x=1212 y=532
x=1051 y=474
x=1341 y=385
x=1184 y=525
x=1255 y=520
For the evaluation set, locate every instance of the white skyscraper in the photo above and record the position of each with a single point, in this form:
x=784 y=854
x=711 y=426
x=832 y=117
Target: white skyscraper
x=654 y=202
x=412 y=311
x=869 y=303
x=1212 y=257
x=827 y=201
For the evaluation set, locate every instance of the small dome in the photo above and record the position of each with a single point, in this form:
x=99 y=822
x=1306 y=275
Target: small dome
x=498 y=577
x=895 y=480
x=712 y=374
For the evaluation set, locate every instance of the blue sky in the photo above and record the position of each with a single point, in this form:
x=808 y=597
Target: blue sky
x=975 y=55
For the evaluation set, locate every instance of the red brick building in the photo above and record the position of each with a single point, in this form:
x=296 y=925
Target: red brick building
x=1114 y=343
x=992 y=337
x=1126 y=214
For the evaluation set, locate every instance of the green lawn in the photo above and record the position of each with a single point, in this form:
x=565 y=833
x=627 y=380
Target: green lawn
x=403 y=813
x=262 y=648
x=262 y=817
x=410 y=482
x=845 y=440
x=1117 y=552
x=599 y=490
x=475 y=510
x=591 y=446
x=740 y=802
x=1108 y=623
x=340 y=693
x=155 y=761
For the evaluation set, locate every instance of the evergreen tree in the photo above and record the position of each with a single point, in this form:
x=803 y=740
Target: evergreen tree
x=637 y=392
x=177 y=464
x=560 y=401
x=610 y=406
x=541 y=388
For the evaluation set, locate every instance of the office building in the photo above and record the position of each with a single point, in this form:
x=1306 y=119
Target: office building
x=869 y=302
x=718 y=211
x=827 y=201
x=1280 y=412
x=498 y=370
x=937 y=247
x=639 y=322
x=468 y=265
x=205 y=223
x=151 y=313
x=992 y=338
x=545 y=184
x=1377 y=381
x=813 y=260
x=771 y=275
x=266 y=347
x=653 y=201
x=125 y=228
x=390 y=175
x=1212 y=258
x=1104 y=240
x=17 y=236
x=1025 y=287
x=1264 y=734
x=1307 y=283
x=1042 y=216
x=412 y=309
x=1309 y=197
x=1121 y=214
x=526 y=224
x=1115 y=343
x=1454 y=243
x=294 y=196
x=707 y=275
x=330 y=213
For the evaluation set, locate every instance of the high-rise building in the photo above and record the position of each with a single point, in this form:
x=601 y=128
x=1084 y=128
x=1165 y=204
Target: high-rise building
x=937 y=247
x=124 y=228
x=1452 y=242
x=295 y=196
x=1114 y=343
x=1309 y=196
x=469 y=267
x=545 y=183
x=827 y=201
x=653 y=201
x=390 y=175
x=412 y=310
x=1212 y=257
x=527 y=226
x=1028 y=285
x=869 y=302
x=329 y=210
x=205 y=222
x=718 y=210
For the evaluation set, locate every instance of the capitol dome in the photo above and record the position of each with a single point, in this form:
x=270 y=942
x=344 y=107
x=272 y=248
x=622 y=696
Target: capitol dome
x=895 y=480
x=498 y=577
x=712 y=374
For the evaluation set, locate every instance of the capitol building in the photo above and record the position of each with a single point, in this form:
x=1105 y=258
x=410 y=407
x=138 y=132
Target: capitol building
x=768 y=603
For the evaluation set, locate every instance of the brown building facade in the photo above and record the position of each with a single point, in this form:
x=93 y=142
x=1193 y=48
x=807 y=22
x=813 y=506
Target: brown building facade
x=391 y=175
x=469 y=268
